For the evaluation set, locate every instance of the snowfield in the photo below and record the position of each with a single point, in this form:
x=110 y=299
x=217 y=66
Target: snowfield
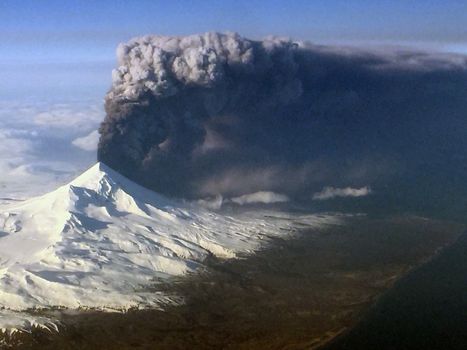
x=97 y=241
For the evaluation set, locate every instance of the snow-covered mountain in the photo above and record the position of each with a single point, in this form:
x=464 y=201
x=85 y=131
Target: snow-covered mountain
x=97 y=241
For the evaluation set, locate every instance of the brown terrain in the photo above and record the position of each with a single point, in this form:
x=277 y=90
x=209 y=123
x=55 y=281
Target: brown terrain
x=294 y=294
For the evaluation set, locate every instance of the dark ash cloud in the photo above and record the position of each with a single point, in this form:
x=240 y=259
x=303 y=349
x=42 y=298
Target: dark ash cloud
x=217 y=114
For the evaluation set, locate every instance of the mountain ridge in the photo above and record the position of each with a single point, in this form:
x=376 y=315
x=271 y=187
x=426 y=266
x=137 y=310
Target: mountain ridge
x=100 y=239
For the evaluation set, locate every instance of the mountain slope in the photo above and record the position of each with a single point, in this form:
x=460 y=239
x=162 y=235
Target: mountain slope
x=98 y=240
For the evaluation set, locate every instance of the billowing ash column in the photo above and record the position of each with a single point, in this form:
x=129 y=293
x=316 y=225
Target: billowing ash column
x=220 y=114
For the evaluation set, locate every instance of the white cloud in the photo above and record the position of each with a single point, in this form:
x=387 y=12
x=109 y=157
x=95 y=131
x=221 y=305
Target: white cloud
x=213 y=203
x=42 y=143
x=67 y=116
x=265 y=197
x=88 y=142
x=23 y=177
x=14 y=143
x=332 y=192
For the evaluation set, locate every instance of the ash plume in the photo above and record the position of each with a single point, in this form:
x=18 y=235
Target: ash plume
x=219 y=114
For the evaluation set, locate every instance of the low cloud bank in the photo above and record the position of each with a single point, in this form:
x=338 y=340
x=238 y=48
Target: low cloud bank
x=332 y=192
x=88 y=142
x=39 y=143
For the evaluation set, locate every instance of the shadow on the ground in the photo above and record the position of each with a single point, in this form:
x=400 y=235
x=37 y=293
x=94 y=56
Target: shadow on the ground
x=295 y=294
x=425 y=310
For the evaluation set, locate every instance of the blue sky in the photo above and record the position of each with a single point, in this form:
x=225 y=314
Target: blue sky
x=56 y=59
x=79 y=37
x=89 y=30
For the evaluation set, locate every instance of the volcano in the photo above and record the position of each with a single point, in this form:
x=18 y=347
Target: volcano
x=99 y=240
